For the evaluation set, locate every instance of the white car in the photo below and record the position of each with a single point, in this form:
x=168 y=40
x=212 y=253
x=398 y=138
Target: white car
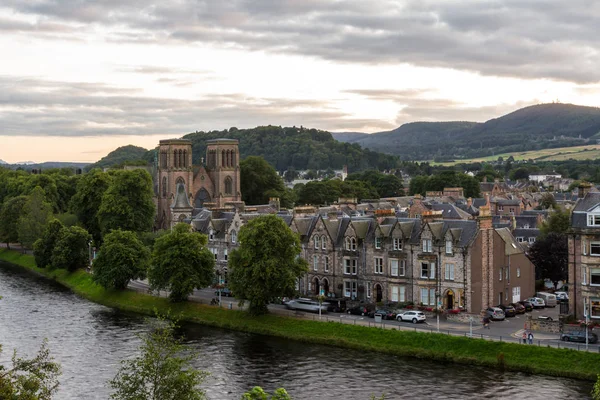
x=562 y=296
x=536 y=302
x=412 y=316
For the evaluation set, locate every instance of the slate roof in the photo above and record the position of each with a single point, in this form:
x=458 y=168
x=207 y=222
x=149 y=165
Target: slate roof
x=526 y=233
x=511 y=246
x=478 y=202
x=450 y=211
x=590 y=200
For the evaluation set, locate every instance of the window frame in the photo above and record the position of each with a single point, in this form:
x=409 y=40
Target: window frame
x=316 y=241
x=397 y=243
x=449 y=272
x=594 y=218
x=378 y=241
x=449 y=247
x=426 y=265
x=391 y=263
x=315 y=262
x=326 y=263
x=594 y=272
x=597 y=245
x=324 y=242
x=378 y=265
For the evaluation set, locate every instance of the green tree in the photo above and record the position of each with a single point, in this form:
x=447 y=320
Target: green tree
x=160 y=372
x=267 y=263
x=121 y=258
x=30 y=379
x=44 y=246
x=559 y=221
x=10 y=212
x=290 y=174
x=88 y=198
x=257 y=393
x=596 y=390
x=550 y=255
x=519 y=174
x=34 y=216
x=259 y=180
x=547 y=201
x=181 y=263
x=72 y=249
x=418 y=185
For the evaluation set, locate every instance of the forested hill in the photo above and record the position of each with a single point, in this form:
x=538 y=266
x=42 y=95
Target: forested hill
x=300 y=148
x=130 y=155
x=530 y=128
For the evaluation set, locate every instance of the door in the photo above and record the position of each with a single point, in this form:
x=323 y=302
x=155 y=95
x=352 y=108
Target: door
x=450 y=300
x=378 y=293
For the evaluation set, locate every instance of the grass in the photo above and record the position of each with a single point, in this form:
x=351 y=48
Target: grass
x=588 y=152
x=505 y=356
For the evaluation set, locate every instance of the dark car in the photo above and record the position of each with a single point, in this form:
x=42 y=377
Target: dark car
x=385 y=313
x=509 y=311
x=224 y=292
x=336 y=305
x=519 y=308
x=578 y=336
x=528 y=306
x=363 y=309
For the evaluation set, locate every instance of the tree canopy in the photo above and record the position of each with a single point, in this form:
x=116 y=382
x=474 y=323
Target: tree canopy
x=259 y=181
x=88 y=198
x=267 y=263
x=35 y=214
x=181 y=263
x=550 y=255
x=44 y=246
x=71 y=251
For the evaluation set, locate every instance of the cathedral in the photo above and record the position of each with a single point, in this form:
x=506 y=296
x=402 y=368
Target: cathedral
x=182 y=188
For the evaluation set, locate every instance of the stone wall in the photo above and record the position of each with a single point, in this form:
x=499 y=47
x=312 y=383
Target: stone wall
x=540 y=325
x=464 y=318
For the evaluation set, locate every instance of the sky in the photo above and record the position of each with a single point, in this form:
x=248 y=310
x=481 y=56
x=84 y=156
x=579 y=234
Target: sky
x=79 y=78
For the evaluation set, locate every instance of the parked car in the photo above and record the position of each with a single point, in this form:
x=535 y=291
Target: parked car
x=509 y=311
x=562 y=296
x=363 y=309
x=224 y=292
x=412 y=316
x=527 y=304
x=578 y=336
x=385 y=313
x=336 y=305
x=549 y=299
x=495 y=313
x=306 y=305
x=537 y=302
x=519 y=308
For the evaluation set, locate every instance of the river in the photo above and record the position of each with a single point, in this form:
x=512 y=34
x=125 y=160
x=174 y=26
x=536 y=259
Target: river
x=89 y=340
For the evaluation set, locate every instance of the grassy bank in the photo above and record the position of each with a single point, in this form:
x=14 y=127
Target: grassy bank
x=533 y=359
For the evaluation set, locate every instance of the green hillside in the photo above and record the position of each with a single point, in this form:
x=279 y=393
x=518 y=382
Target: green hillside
x=531 y=128
x=131 y=155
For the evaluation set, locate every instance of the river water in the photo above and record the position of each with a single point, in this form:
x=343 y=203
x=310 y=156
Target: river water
x=89 y=340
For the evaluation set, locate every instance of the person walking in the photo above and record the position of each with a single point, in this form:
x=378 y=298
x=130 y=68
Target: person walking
x=530 y=338
x=524 y=337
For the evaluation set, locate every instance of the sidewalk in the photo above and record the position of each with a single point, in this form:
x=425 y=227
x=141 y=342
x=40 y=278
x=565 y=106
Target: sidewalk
x=537 y=335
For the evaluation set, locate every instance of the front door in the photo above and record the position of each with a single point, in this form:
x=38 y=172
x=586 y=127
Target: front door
x=316 y=287
x=378 y=293
x=450 y=300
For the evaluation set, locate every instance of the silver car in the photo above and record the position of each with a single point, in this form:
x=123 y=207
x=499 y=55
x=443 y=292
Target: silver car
x=306 y=305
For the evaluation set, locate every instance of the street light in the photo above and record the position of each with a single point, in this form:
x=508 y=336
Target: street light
x=437 y=310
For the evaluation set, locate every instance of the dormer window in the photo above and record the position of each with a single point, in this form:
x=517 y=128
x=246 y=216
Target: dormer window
x=211 y=234
x=317 y=242
x=233 y=236
x=448 y=246
x=427 y=246
x=593 y=219
x=377 y=242
x=397 y=244
x=351 y=243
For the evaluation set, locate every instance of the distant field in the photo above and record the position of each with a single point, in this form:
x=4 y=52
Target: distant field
x=559 y=154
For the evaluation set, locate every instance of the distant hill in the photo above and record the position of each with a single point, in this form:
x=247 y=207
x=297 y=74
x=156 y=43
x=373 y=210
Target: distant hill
x=349 y=137
x=530 y=128
x=3 y=162
x=124 y=155
x=45 y=165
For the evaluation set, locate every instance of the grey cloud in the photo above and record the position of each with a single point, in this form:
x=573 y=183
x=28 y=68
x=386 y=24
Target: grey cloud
x=30 y=107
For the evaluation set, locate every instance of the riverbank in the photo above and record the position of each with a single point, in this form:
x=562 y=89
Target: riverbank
x=532 y=359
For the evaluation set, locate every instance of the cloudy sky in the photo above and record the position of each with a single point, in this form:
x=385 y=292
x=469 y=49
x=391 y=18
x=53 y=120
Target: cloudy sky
x=79 y=78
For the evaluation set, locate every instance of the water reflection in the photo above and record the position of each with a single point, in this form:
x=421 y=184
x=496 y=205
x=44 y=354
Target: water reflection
x=89 y=341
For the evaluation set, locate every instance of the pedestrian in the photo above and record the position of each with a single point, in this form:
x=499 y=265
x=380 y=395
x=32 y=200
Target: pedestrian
x=524 y=337
x=486 y=322
x=530 y=338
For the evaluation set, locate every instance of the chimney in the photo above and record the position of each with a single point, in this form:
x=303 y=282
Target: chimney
x=431 y=216
x=469 y=202
x=583 y=189
x=274 y=202
x=484 y=220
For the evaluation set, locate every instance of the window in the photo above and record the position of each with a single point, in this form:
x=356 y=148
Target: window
x=526 y=226
x=424 y=270
x=595 y=276
x=233 y=236
x=315 y=263
x=500 y=208
x=531 y=240
x=432 y=298
x=215 y=253
x=584 y=276
x=323 y=242
x=164 y=186
x=349 y=266
x=425 y=296
x=595 y=249
x=449 y=272
x=378 y=265
x=448 y=246
x=228 y=185
x=432 y=271
x=520 y=239
x=211 y=235
x=427 y=246
x=351 y=243
x=500 y=274
x=394 y=267
x=507 y=273
x=369 y=290
x=378 y=243
x=516 y=294
x=316 y=240
x=512 y=210
x=402 y=270
x=397 y=244
x=402 y=294
x=593 y=219
x=518 y=272
x=350 y=289
x=584 y=247
x=326 y=264
x=395 y=293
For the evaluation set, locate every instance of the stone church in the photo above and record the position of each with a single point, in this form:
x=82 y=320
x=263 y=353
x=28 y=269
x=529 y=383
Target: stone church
x=182 y=187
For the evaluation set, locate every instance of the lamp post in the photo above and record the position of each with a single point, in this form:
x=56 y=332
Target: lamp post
x=437 y=309
x=470 y=327
x=586 y=312
x=90 y=255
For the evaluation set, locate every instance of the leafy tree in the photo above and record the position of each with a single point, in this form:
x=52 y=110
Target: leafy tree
x=121 y=258
x=550 y=256
x=547 y=201
x=290 y=174
x=72 y=249
x=30 y=379
x=559 y=221
x=257 y=393
x=34 y=216
x=10 y=212
x=596 y=390
x=127 y=203
x=267 y=263
x=88 y=198
x=259 y=180
x=160 y=372
x=181 y=263
x=44 y=246
x=519 y=174
x=418 y=185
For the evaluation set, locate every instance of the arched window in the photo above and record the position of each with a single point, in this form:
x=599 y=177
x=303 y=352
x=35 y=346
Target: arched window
x=185 y=159
x=163 y=159
x=223 y=158
x=164 y=186
x=180 y=158
x=175 y=159
x=353 y=243
x=233 y=164
x=324 y=242
x=316 y=240
x=233 y=236
x=228 y=185
x=180 y=180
